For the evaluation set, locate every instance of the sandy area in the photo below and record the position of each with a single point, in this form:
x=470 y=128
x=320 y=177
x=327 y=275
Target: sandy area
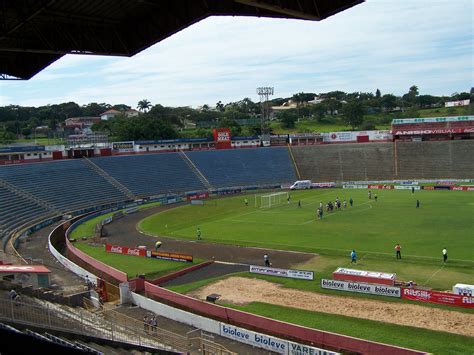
x=239 y=290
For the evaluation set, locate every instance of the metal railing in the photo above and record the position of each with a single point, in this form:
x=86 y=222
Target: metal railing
x=61 y=318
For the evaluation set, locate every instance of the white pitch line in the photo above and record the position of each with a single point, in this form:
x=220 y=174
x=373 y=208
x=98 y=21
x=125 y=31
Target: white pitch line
x=434 y=274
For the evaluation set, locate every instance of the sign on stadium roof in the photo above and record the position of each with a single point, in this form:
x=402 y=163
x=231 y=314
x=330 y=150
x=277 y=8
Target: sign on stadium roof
x=432 y=119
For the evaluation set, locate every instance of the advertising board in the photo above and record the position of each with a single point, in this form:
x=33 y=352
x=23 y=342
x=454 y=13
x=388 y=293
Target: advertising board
x=322 y=185
x=197 y=196
x=293 y=274
x=446 y=298
x=360 y=287
x=268 y=342
x=378 y=187
x=355 y=186
x=364 y=276
x=170 y=256
x=407 y=187
x=123 y=146
x=117 y=249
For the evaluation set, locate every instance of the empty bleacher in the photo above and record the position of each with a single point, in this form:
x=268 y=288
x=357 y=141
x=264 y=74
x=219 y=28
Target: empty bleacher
x=345 y=162
x=66 y=185
x=244 y=167
x=15 y=209
x=442 y=160
x=379 y=161
x=151 y=174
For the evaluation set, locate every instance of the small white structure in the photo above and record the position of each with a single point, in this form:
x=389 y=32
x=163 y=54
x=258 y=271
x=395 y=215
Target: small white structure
x=301 y=185
x=463 y=290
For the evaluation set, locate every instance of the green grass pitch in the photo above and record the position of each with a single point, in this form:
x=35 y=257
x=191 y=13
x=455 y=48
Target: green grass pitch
x=372 y=228
x=444 y=219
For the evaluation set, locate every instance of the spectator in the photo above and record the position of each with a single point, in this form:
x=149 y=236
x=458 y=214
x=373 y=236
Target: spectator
x=266 y=260
x=145 y=323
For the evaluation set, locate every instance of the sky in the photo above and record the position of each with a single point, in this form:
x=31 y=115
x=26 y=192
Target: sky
x=385 y=44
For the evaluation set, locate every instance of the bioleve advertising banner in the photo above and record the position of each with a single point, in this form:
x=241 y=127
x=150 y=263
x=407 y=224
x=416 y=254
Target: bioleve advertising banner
x=438 y=297
x=268 y=342
x=360 y=287
x=292 y=274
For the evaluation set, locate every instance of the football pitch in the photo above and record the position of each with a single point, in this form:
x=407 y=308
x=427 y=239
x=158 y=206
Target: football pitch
x=372 y=228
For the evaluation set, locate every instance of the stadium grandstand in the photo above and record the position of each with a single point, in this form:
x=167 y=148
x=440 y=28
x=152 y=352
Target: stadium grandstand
x=31 y=191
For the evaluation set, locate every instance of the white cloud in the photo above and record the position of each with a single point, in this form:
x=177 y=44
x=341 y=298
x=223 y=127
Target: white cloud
x=389 y=45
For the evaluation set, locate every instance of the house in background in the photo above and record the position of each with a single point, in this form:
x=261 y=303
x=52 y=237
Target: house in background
x=107 y=115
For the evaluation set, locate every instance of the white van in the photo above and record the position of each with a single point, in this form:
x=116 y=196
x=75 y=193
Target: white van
x=301 y=185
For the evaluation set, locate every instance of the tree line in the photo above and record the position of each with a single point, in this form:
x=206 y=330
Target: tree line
x=161 y=122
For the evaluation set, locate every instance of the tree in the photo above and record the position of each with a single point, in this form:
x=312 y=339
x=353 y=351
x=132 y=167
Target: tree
x=318 y=110
x=144 y=105
x=378 y=94
x=220 y=106
x=413 y=91
x=353 y=113
x=388 y=101
x=5 y=136
x=288 y=119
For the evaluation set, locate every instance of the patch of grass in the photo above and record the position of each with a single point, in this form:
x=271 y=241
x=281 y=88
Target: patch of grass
x=134 y=265
x=183 y=289
x=87 y=229
x=410 y=337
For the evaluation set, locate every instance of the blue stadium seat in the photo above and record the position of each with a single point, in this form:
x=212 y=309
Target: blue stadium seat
x=245 y=167
x=151 y=174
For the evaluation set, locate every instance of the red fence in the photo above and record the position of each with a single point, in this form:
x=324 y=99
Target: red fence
x=103 y=268
x=277 y=328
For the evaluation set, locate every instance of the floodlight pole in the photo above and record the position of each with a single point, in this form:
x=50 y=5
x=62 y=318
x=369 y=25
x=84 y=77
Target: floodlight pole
x=265 y=92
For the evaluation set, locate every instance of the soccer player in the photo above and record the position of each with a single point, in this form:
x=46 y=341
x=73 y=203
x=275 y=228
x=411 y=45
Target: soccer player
x=299 y=203
x=351 y=201
x=353 y=257
x=246 y=201
x=412 y=190
x=417 y=203
x=288 y=199
x=375 y=197
x=370 y=195
x=345 y=204
x=397 y=249
x=198 y=233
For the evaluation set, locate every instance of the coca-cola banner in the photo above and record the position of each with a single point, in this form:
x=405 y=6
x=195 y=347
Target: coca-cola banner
x=197 y=196
x=438 y=297
x=116 y=249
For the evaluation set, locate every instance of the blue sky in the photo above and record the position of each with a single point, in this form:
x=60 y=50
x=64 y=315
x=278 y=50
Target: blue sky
x=385 y=44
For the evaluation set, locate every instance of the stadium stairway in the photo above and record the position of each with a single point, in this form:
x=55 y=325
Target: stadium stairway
x=110 y=179
x=195 y=170
x=151 y=174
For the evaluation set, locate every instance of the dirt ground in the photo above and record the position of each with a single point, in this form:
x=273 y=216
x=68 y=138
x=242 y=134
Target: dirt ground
x=239 y=290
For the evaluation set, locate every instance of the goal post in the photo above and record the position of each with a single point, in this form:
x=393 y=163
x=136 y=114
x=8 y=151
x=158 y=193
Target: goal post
x=274 y=199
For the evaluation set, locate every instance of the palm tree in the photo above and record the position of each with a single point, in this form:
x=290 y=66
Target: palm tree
x=144 y=105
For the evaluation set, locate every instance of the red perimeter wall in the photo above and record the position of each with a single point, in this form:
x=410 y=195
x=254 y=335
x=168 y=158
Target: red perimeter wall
x=277 y=328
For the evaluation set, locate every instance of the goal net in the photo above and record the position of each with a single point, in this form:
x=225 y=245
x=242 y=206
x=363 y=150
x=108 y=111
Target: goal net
x=277 y=198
